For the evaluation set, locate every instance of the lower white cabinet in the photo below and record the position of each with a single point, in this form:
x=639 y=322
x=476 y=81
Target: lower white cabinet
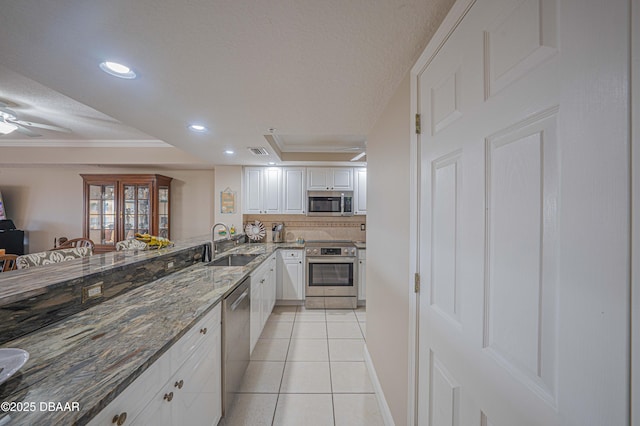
x=362 y=274
x=170 y=394
x=263 y=297
x=190 y=396
x=255 y=318
x=290 y=275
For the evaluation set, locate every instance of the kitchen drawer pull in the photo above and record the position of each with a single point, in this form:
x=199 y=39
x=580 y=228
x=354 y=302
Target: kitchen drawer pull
x=168 y=396
x=203 y=330
x=179 y=384
x=119 y=419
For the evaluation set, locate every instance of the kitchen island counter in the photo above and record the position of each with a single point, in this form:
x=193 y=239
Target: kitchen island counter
x=92 y=356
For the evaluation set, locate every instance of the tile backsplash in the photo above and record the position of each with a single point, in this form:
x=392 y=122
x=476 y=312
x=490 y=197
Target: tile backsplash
x=313 y=227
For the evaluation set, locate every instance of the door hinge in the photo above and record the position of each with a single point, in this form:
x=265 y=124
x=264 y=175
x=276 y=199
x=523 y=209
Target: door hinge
x=418 y=128
x=416 y=282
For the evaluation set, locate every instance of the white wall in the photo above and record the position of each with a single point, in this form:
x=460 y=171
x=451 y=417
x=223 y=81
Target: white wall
x=47 y=201
x=388 y=278
x=228 y=177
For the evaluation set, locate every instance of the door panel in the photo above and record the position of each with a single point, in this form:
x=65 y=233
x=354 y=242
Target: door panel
x=521 y=257
x=445 y=288
x=503 y=313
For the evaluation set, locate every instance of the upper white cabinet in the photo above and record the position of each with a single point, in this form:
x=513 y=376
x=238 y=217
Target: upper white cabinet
x=283 y=190
x=330 y=179
x=294 y=190
x=263 y=190
x=360 y=191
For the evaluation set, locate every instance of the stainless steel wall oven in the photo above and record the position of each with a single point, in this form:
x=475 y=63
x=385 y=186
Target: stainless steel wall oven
x=331 y=275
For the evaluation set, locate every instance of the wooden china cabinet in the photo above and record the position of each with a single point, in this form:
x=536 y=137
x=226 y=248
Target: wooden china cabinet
x=116 y=206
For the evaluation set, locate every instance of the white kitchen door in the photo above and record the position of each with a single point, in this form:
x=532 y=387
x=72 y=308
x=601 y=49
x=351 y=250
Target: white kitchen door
x=523 y=216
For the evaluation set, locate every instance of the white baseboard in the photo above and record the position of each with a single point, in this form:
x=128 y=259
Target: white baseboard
x=382 y=402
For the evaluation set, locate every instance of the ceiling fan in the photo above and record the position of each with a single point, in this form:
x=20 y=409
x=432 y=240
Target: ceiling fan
x=9 y=123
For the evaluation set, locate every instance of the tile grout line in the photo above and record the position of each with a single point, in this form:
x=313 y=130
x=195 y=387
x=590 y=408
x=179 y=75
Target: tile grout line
x=333 y=404
x=273 y=419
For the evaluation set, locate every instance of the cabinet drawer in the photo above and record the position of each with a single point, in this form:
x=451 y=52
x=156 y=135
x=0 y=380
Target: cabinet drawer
x=135 y=397
x=197 y=386
x=291 y=254
x=195 y=336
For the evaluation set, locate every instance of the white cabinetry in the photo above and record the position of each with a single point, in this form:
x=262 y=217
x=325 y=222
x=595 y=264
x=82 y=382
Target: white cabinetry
x=294 y=190
x=263 y=190
x=290 y=275
x=275 y=190
x=255 y=326
x=360 y=191
x=330 y=179
x=263 y=297
x=182 y=387
x=362 y=274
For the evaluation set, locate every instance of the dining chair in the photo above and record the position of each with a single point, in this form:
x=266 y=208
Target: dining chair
x=131 y=244
x=8 y=262
x=52 y=256
x=76 y=242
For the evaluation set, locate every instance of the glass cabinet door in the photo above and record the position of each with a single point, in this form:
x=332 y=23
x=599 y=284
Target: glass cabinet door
x=163 y=211
x=102 y=214
x=137 y=209
x=118 y=206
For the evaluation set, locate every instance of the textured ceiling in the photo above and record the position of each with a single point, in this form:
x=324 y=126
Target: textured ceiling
x=307 y=68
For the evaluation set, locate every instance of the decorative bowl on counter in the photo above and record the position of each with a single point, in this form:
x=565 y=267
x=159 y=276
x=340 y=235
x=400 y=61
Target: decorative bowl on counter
x=11 y=360
x=255 y=231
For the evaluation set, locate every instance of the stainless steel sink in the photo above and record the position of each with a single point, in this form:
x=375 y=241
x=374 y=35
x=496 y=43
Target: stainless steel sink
x=234 y=260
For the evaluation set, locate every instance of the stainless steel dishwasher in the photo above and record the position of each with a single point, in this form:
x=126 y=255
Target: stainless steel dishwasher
x=235 y=341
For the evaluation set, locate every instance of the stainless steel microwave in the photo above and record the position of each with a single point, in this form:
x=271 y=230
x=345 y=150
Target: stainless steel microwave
x=330 y=203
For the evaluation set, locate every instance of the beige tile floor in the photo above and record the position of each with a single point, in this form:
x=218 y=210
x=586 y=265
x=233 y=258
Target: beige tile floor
x=308 y=369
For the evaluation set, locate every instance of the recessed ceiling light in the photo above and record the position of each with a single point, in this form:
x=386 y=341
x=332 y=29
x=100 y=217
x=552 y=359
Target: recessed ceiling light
x=229 y=152
x=197 y=128
x=117 y=70
x=271 y=163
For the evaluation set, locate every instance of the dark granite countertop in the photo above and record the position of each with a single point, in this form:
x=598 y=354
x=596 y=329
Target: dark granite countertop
x=92 y=356
x=15 y=285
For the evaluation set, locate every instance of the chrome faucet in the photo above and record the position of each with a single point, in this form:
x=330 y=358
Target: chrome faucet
x=213 y=235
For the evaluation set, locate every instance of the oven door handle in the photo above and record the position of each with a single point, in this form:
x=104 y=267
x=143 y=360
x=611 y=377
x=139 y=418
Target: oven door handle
x=330 y=259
